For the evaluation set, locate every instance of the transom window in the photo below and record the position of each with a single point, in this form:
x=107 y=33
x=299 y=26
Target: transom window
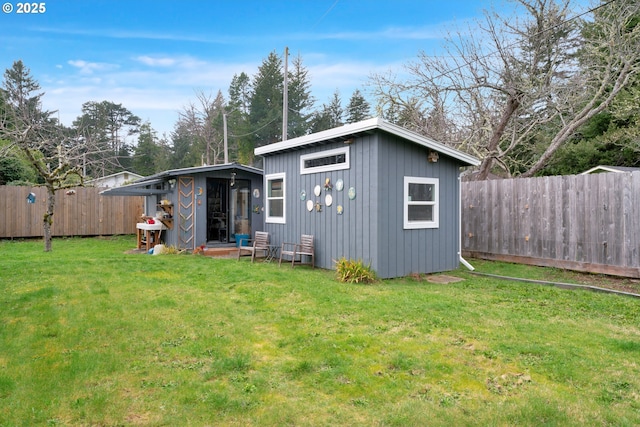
x=275 y=198
x=421 y=204
x=324 y=161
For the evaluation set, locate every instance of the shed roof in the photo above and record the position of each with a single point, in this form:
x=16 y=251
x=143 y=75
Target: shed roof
x=366 y=126
x=138 y=188
x=202 y=169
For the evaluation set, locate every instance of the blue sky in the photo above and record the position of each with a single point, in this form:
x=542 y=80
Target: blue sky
x=152 y=56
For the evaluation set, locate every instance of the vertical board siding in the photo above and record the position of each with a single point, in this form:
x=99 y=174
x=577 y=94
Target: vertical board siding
x=371 y=227
x=351 y=234
x=85 y=213
x=586 y=222
x=403 y=252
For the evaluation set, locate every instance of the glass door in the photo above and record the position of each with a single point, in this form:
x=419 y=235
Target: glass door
x=217 y=207
x=240 y=211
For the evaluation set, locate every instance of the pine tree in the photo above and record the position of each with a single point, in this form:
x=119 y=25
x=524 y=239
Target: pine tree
x=330 y=116
x=265 y=114
x=238 y=127
x=147 y=151
x=358 y=108
x=300 y=100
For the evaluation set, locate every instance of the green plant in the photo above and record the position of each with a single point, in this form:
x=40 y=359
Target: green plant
x=350 y=271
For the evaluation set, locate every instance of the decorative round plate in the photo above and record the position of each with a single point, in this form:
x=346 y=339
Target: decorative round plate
x=309 y=205
x=317 y=190
x=303 y=195
x=352 y=193
x=328 y=200
x=339 y=184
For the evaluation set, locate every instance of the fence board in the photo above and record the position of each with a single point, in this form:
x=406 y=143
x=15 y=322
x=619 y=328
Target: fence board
x=86 y=213
x=583 y=222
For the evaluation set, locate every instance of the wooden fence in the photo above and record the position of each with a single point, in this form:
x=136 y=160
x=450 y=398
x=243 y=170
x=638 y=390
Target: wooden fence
x=579 y=222
x=85 y=213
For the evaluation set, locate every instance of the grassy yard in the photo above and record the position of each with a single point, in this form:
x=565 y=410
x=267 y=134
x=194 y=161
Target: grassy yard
x=91 y=335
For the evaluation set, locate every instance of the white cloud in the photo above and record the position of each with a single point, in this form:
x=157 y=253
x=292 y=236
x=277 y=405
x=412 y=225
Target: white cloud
x=86 y=67
x=158 y=92
x=156 y=62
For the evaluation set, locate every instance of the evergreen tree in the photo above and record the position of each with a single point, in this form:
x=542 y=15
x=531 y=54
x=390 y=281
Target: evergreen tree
x=265 y=116
x=330 y=116
x=358 y=108
x=238 y=128
x=300 y=100
x=182 y=152
x=147 y=151
x=106 y=125
x=21 y=92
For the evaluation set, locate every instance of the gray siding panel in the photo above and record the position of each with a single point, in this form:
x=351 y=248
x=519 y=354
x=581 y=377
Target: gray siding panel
x=403 y=252
x=351 y=234
x=371 y=228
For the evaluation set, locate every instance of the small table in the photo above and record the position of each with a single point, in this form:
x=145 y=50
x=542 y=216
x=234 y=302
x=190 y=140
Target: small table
x=152 y=232
x=272 y=253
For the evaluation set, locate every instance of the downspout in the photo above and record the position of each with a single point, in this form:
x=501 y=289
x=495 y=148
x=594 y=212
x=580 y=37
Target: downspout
x=462 y=260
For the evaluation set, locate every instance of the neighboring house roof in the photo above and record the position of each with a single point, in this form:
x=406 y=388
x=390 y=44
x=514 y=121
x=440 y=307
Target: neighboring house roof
x=115 y=178
x=616 y=169
x=366 y=126
x=137 y=188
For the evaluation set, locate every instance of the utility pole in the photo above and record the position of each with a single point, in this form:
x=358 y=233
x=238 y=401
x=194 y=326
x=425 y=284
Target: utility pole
x=226 y=146
x=285 y=96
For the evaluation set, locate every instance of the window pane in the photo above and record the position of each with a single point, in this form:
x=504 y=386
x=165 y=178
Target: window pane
x=421 y=192
x=275 y=188
x=420 y=213
x=276 y=208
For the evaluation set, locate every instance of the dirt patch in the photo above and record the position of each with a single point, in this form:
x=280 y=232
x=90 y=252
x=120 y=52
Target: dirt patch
x=443 y=279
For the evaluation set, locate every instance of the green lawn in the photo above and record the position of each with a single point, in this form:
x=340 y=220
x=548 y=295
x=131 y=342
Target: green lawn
x=91 y=335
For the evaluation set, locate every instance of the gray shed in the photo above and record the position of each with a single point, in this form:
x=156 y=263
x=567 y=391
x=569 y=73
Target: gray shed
x=370 y=190
x=202 y=206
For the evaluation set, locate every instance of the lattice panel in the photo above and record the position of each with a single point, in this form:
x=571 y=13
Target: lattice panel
x=186 y=210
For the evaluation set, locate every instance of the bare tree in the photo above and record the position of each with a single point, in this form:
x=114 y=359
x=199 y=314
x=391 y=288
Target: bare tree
x=31 y=133
x=517 y=89
x=203 y=120
x=610 y=59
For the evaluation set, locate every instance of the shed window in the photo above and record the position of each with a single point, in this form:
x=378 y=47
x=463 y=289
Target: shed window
x=421 y=203
x=324 y=161
x=275 y=198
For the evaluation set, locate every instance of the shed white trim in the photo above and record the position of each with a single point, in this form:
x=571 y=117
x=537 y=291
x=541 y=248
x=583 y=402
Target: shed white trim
x=365 y=126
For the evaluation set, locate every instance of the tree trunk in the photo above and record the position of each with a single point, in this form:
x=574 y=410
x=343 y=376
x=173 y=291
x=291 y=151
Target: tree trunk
x=48 y=217
x=485 y=167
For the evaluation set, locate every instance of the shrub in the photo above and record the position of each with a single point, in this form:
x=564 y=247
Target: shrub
x=350 y=271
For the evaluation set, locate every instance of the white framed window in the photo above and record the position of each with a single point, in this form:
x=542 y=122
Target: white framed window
x=324 y=161
x=275 y=191
x=421 y=203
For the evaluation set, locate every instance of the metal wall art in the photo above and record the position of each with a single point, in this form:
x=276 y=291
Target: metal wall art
x=327 y=184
